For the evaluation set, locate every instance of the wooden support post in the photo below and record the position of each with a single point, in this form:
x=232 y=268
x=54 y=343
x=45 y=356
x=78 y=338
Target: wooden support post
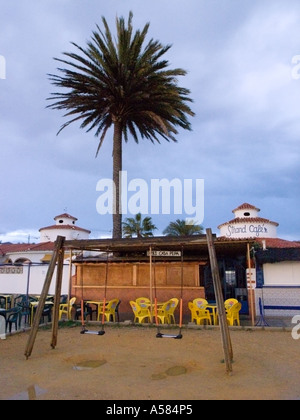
x=250 y=288
x=39 y=310
x=55 y=312
x=226 y=341
x=151 y=283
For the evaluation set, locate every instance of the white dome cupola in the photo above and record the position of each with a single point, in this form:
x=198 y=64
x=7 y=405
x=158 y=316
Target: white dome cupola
x=65 y=225
x=65 y=219
x=248 y=224
x=246 y=211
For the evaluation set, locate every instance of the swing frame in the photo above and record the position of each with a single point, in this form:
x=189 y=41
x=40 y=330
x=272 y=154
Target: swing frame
x=117 y=245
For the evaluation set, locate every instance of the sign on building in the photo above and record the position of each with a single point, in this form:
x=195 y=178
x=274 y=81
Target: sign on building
x=164 y=253
x=251 y=278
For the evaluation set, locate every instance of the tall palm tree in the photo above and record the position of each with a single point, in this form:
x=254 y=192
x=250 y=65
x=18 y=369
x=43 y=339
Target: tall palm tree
x=119 y=83
x=180 y=228
x=136 y=226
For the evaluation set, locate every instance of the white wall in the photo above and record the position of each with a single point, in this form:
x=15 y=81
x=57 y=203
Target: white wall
x=278 y=296
x=285 y=273
x=16 y=283
x=70 y=234
x=33 y=256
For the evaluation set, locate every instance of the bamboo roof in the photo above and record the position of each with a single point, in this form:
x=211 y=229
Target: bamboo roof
x=194 y=243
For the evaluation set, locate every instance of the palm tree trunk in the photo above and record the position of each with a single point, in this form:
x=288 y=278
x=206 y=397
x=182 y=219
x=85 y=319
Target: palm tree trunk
x=117 y=168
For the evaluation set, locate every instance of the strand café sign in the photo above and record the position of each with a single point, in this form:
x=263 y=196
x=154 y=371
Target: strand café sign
x=156 y=253
x=249 y=230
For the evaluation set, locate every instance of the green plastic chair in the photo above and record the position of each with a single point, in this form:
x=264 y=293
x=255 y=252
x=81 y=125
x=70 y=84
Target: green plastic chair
x=13 y=318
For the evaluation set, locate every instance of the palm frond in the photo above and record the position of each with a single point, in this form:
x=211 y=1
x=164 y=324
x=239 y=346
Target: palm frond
x=125 y=80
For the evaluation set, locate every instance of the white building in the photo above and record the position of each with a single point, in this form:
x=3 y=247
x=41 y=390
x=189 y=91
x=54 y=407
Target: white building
x=277 y=261
x=64 y=226
x=248 y=224
x=23 y=267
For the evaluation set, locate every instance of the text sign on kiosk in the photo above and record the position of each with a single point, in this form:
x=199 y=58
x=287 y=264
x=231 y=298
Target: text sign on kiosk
x=164 y=253
x=251 y=278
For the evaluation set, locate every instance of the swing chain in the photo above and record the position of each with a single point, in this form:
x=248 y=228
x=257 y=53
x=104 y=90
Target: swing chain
x=159 y=334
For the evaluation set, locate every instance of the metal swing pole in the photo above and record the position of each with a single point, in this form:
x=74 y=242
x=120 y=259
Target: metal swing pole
x=70 y=278
x=150 y=282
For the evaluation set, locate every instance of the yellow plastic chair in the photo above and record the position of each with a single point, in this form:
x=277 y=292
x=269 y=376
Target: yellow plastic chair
x=140 y=314
x=230 y=302
x=165 y=313
x=232 y=314
x=199 y=315
x=200 y=303
x=143 y=302
x=173 y=305
x=66 y=309
x=109 y=310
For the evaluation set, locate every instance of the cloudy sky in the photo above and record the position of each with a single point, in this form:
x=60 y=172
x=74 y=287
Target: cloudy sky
x=243 y=64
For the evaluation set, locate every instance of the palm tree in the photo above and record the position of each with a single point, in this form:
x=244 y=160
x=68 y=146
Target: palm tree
x=181 y=228
x=116 y=82
x=136 y=226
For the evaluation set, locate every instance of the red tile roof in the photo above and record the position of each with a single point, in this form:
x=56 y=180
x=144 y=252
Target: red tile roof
x=65 y=215
x=270 y=242
x=279 y=243
x=245 y=206
x=8 y=248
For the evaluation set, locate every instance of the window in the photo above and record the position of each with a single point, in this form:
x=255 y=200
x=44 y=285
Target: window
x=230 y=278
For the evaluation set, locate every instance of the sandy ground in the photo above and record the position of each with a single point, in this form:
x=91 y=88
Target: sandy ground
x=130 y=363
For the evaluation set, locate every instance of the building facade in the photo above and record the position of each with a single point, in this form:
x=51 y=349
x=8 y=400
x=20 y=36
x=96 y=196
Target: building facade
x=276 y=261
x=23 y=267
